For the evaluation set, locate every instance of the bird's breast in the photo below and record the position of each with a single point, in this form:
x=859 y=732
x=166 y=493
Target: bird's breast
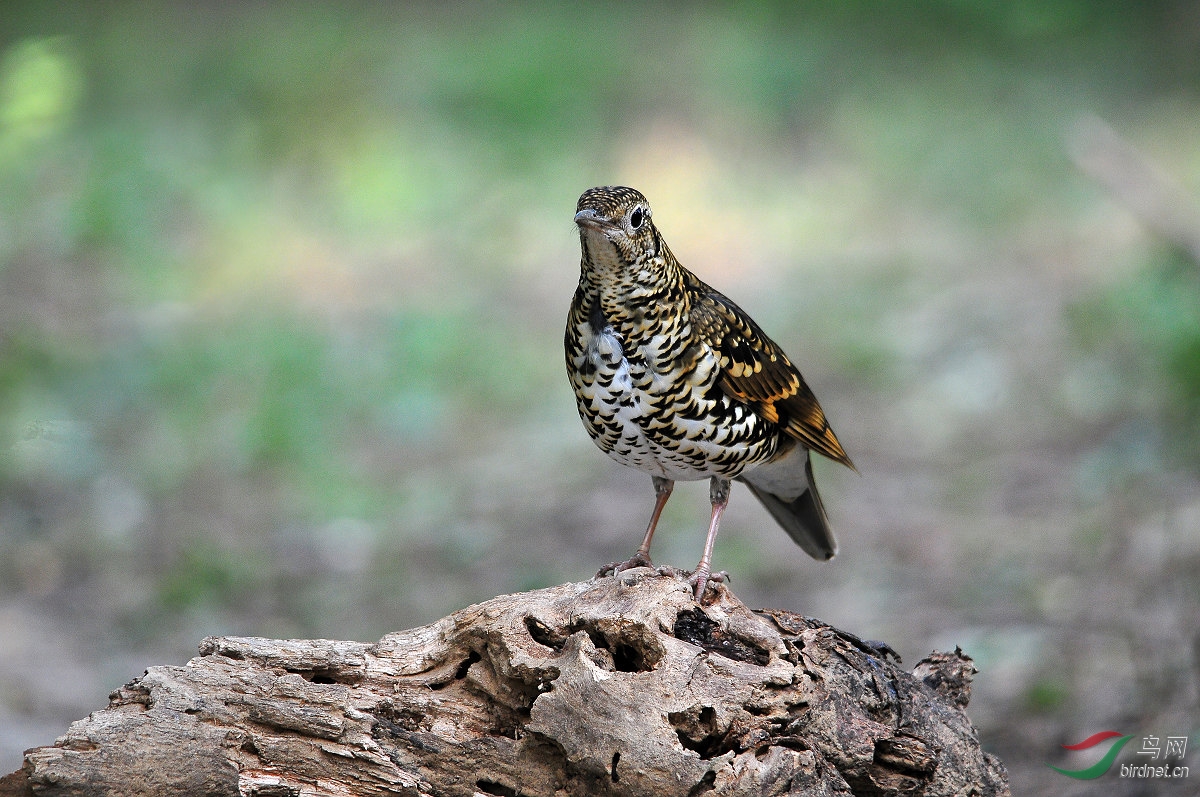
x=650 y=400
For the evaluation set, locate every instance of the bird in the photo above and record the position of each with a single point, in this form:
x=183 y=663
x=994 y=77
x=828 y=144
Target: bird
x=672 y=378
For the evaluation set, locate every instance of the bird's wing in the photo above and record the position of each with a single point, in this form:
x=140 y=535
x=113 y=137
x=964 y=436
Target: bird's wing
x=754 y=370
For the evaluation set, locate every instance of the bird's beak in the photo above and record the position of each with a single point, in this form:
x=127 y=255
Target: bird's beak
x=589 y=219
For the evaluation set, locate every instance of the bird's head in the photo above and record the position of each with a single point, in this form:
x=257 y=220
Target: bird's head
x=615 y=229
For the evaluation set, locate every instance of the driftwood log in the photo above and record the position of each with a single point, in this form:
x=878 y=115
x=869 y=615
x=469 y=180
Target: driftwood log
x=617 y=686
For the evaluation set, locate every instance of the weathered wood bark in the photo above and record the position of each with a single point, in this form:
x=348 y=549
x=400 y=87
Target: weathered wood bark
x=618 y=686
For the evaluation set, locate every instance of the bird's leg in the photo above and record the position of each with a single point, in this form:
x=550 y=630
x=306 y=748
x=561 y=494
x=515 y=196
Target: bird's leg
x=662 y=491
x=718 y=493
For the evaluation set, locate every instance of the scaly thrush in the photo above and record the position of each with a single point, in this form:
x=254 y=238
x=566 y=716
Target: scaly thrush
x=674 y=379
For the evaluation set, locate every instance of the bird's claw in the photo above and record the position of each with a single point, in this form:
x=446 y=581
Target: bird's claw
x=700 y=579
x=639 y=559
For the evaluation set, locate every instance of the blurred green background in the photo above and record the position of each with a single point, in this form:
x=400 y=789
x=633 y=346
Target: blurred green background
x=282 y=289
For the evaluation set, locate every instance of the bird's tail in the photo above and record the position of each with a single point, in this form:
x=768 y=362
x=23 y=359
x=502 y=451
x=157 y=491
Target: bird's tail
x=786 y=488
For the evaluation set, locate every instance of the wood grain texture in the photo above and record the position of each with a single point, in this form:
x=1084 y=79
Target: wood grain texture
x=617 y=686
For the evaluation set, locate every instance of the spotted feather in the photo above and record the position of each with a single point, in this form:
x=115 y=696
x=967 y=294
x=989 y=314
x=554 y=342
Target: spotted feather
x=674 y=379
x=756 y=371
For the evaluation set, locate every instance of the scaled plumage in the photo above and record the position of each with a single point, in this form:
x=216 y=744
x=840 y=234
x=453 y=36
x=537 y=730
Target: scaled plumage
x=674 y=379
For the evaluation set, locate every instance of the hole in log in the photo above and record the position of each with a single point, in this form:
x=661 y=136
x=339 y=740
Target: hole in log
x=706 y=784
x=792 y=742
x=613 y=769
x=321 y=676
x=327 y=675
x=627 y=658
x=633 y=647
x=544 y=634
x=698 y=628
x=794 y=648
x=497 y=789
x=274 y=790
x=697 y=731
x=460 y=672
x=906 y=754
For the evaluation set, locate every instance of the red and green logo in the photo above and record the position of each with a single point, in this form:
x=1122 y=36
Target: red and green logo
x=1100 y=767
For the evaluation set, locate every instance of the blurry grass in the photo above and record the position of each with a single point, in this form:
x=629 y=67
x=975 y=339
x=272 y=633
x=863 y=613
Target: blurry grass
x=266 y=389
x=206 y=575
x=1047 y=695
x=1147 y=327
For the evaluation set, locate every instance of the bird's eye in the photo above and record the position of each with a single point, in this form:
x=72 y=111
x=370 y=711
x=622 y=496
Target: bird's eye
x=636 y=218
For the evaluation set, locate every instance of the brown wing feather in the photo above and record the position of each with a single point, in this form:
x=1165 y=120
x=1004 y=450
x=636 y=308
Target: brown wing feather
x=755 y=370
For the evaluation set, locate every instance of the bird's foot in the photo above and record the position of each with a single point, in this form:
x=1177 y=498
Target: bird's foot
x=639 y=559
x=701 y=578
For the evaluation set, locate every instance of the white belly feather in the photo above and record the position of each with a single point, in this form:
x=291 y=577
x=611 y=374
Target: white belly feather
x=620 y=402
